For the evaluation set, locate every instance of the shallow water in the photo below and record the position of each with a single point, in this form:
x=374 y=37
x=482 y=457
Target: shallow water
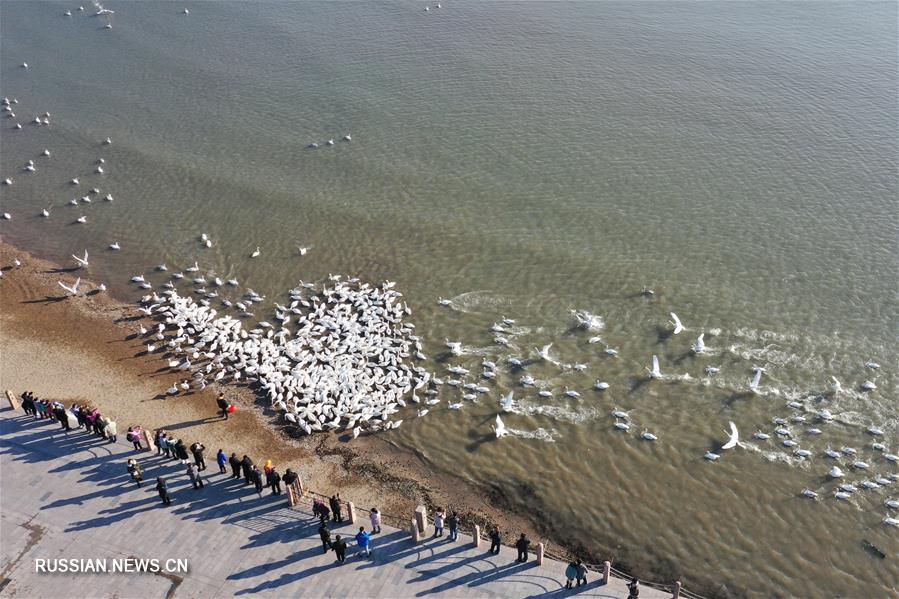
x=525 y=160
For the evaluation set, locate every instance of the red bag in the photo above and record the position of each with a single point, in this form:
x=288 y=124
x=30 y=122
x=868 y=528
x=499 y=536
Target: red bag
x=230 y=409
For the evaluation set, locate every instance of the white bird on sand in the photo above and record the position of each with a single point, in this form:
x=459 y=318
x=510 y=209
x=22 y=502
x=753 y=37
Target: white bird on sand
x=82 y=262
x=699 y=345
x=45 y=212
x=869 y=386
x=601 y=385
x=75 y=181
x=648 y=436
x=193 y=268
x=173 y=390
x=73 y=289
x=255 y=253
x=655 y=373
x=347 y=137
x=303 y=250
x=115 y=245
x=754 y=383
x=81 y=220
x=500 y=428
x=455 y=347
x=7 y=216
x=678 y=327
x=734 y=437
x=835 y=472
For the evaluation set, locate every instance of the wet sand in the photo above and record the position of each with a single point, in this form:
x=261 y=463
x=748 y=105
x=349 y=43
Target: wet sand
x=88 y=348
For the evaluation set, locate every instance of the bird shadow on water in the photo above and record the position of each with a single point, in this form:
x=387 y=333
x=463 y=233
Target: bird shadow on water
x=60 y=270
x=663 y=334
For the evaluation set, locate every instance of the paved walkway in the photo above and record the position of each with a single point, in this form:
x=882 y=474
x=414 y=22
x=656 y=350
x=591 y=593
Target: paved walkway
x=68 y=495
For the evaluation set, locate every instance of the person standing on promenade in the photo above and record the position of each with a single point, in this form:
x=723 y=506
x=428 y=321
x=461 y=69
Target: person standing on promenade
x=194 y=474
x=290 y=477
x=134 y=436
x=256 y=476
x=235 y=465
x=495 y=540
x=222 y=404
x=363 y=540
x=197 y=449
x=247 y=465
x=274 y=481
x=375 y=517
x=633 y=588
x=170 y=443
x=181 y=451
x=163 y=489
x=334 y=501
x=325 y=534
x=159 y=441
x=60 y=413
x=221 y=459
x=522 y=545
x=570 y=574
x=27 y=404
x=39 y=410
x=438 y=522
x=339 y=547
x=453 y=524
x=581 y=572
x=112 y=430
x=134 y=471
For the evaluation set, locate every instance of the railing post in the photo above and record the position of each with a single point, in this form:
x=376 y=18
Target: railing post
x=676 y=592
x=351 y=512
x=540 y=549
x=413 y=529
x=606 y=572
x=300 y=488
x=293 y=497
x=149 y=435
x=476 y=537
x=12 y=399
x=421 y=518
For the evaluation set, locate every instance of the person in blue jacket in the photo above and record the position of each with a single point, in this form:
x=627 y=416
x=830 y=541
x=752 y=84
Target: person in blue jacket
x=364 y=541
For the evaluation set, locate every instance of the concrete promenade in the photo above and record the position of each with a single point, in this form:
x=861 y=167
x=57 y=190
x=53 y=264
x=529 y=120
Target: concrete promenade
x=68 y=495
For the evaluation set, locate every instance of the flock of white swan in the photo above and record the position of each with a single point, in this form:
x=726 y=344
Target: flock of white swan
x=343 y=356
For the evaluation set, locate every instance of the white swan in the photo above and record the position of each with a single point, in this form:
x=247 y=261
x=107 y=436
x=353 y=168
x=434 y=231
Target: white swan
x=699 y=345
x=655 y=373
x=73 y=289
x=500 y=428
x=754 y=383
x=115 y=245
x=648 y=436
x=82 y=262
x=678 y=327
x=255 y=253
x=734 y=437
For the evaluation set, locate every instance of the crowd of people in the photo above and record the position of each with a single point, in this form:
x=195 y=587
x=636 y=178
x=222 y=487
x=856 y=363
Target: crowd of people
x=82 y=416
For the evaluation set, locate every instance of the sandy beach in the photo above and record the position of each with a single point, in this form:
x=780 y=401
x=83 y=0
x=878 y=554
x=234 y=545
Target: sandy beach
x=88 y=348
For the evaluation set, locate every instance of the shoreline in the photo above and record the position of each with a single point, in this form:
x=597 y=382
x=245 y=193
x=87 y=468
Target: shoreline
x=89 y=348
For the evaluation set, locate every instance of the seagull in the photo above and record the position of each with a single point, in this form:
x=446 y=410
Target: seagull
x=699 y=345
x=255 y=253
x=73 y=289
x=734 y=437
x=500 y=428
x=82 y=262
x=655 y=373
x=678 y=327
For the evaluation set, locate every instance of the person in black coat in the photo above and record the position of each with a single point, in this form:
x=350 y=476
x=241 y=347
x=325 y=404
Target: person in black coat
x=222 y=403
x=163 y=489
x=197 y=449
x=334 y=502
x=495 y=541
x=256 y=475
x=522 y=545
x=325 y=534
x=339 y=547
x=235 y=465
x=274 y=481
x=181 y=451
x=247 y=464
